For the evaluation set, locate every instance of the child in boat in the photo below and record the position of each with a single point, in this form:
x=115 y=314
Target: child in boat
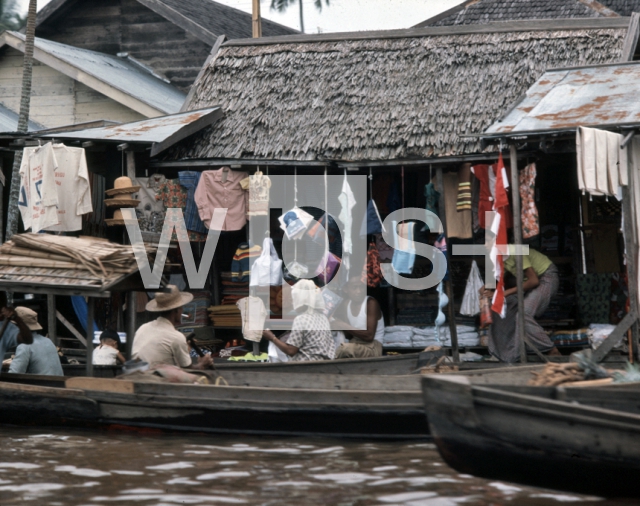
x=107 y=353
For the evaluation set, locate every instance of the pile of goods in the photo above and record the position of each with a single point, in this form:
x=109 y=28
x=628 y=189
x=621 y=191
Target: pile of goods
x=67 y=260
x=225 y=316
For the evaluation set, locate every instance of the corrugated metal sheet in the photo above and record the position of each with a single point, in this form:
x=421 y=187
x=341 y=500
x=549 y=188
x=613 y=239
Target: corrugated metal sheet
x=603 y=95
x=9 y=121
x=161 y=132
x=119 y=73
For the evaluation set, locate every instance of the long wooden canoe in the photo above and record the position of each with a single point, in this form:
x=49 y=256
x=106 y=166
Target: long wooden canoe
x=371 y=406
x=584 y=440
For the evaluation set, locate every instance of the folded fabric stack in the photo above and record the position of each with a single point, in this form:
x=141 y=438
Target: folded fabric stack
x=398 y=336
x=578 y=337
x=225 y=316
x=233 y=291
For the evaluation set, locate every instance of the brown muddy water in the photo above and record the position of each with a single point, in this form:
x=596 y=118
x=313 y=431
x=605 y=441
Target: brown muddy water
x=91 y=468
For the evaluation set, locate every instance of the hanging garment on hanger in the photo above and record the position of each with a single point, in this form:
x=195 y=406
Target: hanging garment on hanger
x=258 y=185
x=371 y=223
x=599 y=155
x=243 y=260
x=529 y=212
x=458 y=223
x=222 y=189
x=295 y=222
x=404 y=255
x=347 y=202
x=189 y=180
x=433 y=199
x=499 y=228
x=464 y=188
x=38 y=197
x=173 y=195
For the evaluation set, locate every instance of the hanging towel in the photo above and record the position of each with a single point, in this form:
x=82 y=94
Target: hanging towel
x=404 y=255
x=613 y=150
x=598 y=156
x=458 y=223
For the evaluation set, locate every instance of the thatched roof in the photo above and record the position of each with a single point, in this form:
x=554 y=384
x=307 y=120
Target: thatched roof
x=406 y=94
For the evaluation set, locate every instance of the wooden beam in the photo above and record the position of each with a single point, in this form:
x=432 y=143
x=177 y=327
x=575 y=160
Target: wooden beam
x=451 y=315
x=90 y=311
x=212 y=55
x=131 y=164
x=131 y=322
x=531 y=25
x=71 y=328
x=51 y=318
x=517 y=239
x=615 y=336
x=256 y=22
x=631 y=39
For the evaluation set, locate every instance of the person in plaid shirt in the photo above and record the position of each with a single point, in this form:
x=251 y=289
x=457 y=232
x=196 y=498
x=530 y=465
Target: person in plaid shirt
x=310 y=337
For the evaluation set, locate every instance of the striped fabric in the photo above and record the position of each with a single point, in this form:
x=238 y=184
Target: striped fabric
x=464 y=197
x=242 y=261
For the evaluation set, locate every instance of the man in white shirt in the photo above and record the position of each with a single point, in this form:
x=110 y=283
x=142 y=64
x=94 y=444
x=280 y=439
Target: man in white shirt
x=158 y=341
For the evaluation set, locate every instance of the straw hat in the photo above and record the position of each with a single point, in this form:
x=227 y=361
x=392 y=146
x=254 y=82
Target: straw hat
x=122 y=185
x=165 y=301
x=29 y=317
x=116 y=220
x=121 y=202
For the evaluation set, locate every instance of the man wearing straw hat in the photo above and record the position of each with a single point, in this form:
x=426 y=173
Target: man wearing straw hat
x=159 y=341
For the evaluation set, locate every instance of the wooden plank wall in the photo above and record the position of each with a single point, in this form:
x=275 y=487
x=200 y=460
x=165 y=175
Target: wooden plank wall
x=118 y=26
x=56 y=99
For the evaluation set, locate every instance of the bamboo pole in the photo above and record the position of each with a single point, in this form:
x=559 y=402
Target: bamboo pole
x=256 y=20
x=131 y=322
x=51 y=318
x=451 y=315
x=517 y=239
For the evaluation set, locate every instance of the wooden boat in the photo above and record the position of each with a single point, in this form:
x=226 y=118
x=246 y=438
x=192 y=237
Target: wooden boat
x=584 y=440
x=276 y=404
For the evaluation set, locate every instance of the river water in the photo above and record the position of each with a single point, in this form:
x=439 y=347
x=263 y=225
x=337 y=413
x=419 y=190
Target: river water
x=78 y=468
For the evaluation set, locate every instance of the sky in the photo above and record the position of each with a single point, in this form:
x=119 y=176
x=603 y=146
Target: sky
x=345 y=15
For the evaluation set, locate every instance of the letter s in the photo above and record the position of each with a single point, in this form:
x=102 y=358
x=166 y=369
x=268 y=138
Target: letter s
x=431 y=253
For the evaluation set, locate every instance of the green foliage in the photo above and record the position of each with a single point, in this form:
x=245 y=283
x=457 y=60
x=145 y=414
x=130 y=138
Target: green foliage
x=13 y=14
x=281 y=5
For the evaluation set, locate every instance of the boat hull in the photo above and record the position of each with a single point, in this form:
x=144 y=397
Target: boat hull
x=506 y=434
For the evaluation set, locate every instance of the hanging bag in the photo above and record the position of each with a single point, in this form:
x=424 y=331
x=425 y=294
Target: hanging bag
x=267 y=269
x=471 y=299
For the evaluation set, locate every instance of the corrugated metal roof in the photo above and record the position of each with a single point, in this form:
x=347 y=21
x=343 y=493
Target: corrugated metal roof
x=117 y=72
x=9 y=121
x=161 y=132
x=603 y=95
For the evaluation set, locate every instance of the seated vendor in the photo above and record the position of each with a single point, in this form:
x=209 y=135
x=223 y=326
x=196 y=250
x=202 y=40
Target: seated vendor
x=362 y=317
x=35 y=354
x=159 y=341
x=310 y=337
x=540 y=285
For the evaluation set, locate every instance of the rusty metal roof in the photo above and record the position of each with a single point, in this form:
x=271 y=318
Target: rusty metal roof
x=563 y=99
x=160 y=132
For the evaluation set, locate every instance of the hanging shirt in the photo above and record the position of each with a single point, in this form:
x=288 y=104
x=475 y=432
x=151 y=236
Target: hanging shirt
x=72 y=183
x=258 y=187
x=253 y=315
x=219 y=189
x=433 y=198
x=458 y=222
x=189 y=180
x=38 y=199
x=464 y=188
x=172 y=194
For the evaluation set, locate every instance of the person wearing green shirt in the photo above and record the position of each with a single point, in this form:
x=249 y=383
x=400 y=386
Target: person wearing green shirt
x=540 y=285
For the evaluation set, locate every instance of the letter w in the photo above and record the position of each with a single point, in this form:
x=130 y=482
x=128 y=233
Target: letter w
x=173 y=220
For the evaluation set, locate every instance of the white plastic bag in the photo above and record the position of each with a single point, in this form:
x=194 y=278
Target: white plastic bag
x=267 y=269
x=471 y=299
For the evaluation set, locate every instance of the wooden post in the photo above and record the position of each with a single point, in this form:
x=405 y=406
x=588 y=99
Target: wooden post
x=90 y=308
x=630 y=243
x=451 y=314
x=51 y=318
x=132 y=302
x=256 y=21
x=392 y=305
x=131 y=164
x=517 y=239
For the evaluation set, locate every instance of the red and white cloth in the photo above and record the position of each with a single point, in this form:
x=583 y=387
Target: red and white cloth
x=499 y=249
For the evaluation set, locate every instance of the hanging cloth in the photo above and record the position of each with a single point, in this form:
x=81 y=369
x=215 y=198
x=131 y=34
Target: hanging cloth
x=433 y=198
x=443 y=300
x=372 y=223
x=458 y=223
x=499 y=227
x=253 y=315
x=347 y=201
x=404 y=255
x=529 y=212
x=471 y=298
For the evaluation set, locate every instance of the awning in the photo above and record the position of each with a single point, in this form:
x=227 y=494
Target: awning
x=606 y=96
x=160 y=133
